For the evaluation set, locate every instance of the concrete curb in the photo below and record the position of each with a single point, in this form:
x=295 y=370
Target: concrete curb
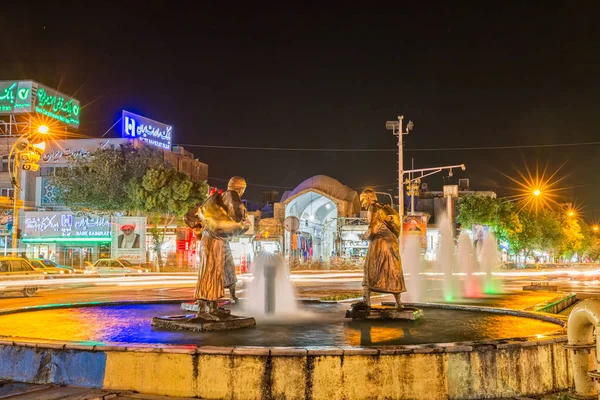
x=474 y=369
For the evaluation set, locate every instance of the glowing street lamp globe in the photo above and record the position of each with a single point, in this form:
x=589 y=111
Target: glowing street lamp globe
x=537 y=192
x=43 y=129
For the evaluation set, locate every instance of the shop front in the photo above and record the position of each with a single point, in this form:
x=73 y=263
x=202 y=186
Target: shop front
x=65 y=237
x=317 y=203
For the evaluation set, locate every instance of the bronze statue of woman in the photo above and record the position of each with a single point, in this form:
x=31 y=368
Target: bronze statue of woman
x=383 y=267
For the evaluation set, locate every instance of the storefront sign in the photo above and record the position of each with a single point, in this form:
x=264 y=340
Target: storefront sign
x=129 y=239
x=42 y=226
x=28 y=96
x=15 y=97
x=63 y=151
x=150 y=131
x=415 y=225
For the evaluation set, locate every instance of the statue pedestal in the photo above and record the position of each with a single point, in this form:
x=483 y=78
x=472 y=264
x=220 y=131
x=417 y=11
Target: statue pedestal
x=192 y=322
x=383 y=312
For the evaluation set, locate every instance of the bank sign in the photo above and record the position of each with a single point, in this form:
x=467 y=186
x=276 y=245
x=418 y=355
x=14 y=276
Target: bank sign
x=18 y=97
x=42 y=226
x=152 y=132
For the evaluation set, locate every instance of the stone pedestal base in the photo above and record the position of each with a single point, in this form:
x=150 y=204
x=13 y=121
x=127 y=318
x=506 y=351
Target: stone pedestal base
x=383 y=312
x=193 y=323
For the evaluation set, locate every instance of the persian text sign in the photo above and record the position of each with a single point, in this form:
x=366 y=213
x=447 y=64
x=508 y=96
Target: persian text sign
x=56 y=105
x=150 y=131
x=29 y=96
x=15 y=97
x=64 y=224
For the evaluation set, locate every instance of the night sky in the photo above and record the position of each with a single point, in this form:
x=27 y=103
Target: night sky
x=501 y=74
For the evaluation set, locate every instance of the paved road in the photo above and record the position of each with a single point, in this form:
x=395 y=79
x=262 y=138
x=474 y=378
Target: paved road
x=308 y=284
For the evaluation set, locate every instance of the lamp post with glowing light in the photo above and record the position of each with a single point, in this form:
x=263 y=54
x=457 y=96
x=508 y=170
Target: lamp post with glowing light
x=25 y=156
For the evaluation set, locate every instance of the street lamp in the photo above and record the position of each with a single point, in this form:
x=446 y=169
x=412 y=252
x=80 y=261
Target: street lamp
x=595 y=228
x=537 y=192
x=25 y=156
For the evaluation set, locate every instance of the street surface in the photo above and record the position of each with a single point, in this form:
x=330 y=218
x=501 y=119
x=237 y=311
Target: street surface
x=308 y=284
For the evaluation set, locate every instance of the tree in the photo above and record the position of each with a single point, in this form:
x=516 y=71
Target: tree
x=164 y=194
x=499 y=215
x=572 y=237
x=99 y=181
x=129 y=179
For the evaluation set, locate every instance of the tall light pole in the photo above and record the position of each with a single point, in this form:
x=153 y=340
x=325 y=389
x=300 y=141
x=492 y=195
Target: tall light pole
x=25 y=157
x=396 y=128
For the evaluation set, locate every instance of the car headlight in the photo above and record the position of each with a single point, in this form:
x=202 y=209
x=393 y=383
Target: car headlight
x=139 y=271
x=61 y=272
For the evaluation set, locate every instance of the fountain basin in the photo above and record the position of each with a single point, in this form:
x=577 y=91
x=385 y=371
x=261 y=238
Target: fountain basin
x=294 y=361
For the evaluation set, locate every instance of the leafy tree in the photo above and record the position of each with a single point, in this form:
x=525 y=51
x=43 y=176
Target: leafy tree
x=572 y=237
x=132 y=180
x=164 y=194
x=497 y=214
x=98 y=182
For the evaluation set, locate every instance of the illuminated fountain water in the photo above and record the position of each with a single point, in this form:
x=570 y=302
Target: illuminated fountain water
x=270 y=293
x=446 y=262
x=467 y=264
x=413 y=266
x=489 y=262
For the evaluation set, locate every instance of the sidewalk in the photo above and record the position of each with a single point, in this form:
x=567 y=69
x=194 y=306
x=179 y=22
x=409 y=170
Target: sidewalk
x=28 y=391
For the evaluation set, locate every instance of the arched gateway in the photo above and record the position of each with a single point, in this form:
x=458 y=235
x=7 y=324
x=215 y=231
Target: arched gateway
x=317 y=202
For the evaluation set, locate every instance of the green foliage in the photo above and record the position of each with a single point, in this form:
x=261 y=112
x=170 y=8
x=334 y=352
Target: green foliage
x=131 y=180
x=499 y=215
x=99 y=181
x=164 y=194
x=164 y=191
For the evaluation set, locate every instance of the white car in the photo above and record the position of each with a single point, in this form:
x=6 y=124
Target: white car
x=114 y=266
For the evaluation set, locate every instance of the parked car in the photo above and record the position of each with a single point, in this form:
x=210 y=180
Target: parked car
x=49 y=267
x=18 y=269
x=114 y=266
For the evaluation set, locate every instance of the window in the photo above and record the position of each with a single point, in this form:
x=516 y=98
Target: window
x=16 y=266
x=25 y=266
x=4 y=266
x=115 y=264
x=101 y=264
x=7 y=192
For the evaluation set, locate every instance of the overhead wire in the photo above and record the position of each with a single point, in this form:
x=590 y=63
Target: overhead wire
x=390 y=150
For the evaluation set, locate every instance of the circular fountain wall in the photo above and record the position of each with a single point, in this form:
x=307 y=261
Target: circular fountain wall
x=316 y=354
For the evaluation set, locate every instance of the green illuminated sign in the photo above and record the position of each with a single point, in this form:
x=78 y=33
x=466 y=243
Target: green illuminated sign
x=29 y=96
x=15 y=97
x=57 y=105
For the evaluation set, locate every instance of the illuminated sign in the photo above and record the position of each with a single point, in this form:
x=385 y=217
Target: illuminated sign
x=29 y=96
x=15 y=97
x=56 y=105
x=42 y=225
x=147 y=130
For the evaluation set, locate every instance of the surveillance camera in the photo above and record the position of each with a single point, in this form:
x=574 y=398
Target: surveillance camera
x=463 y=167
x=410 y=125
x=450 y=173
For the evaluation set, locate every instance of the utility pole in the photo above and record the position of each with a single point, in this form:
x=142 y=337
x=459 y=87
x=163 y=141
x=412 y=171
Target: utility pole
x=396 y=128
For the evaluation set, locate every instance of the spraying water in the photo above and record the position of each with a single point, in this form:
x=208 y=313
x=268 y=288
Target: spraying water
x=467 y=263
x=489 y=261
x=446 y=259
x=413 y=265
x=270 y=293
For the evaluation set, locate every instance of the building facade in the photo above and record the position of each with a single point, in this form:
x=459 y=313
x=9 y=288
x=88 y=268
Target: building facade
x=50 y=229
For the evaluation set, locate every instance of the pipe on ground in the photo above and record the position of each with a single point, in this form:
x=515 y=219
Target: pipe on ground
x=580 y=332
